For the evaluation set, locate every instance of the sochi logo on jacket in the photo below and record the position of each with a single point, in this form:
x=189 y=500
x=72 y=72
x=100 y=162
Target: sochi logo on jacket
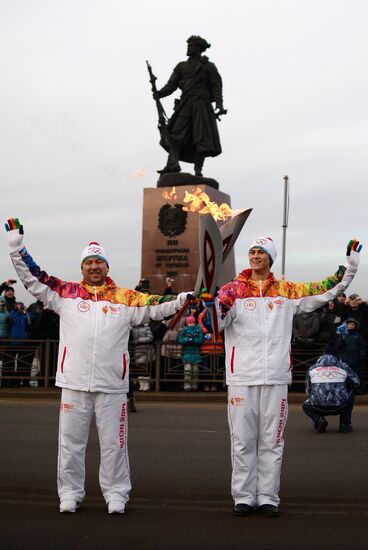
x=83 y=307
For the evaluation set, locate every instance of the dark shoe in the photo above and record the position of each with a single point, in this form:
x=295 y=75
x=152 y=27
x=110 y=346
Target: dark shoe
x=242 y=510
x=345 y=428
x=321 y=425
x=269 y=510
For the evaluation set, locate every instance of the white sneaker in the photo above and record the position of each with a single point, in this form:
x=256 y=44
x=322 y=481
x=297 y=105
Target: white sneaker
x=68 y=506
x=116 y=507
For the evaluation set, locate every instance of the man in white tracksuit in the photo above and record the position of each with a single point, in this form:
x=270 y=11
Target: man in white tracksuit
x=93 y=364
x=256 y=312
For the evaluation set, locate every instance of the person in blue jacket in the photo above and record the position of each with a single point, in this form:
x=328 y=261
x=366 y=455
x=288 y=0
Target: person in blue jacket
x=330 y=385
x=20 y=363
x=191 y=338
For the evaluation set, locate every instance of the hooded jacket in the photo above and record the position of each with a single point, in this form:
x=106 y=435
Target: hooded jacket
x=330 y=382
x=257 y=318
x=95 y=322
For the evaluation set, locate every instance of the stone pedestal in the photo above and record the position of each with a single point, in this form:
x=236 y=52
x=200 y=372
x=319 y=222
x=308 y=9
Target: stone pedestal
x=170 y=238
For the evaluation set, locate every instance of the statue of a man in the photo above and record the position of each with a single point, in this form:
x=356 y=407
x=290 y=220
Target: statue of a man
x=192 y=129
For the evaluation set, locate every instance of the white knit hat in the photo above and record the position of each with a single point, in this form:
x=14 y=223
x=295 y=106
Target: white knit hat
x=267 y=245
x=95 y=250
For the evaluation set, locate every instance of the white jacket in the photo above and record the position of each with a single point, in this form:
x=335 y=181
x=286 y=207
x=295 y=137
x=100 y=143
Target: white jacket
x=257 y=319
x=94 y=325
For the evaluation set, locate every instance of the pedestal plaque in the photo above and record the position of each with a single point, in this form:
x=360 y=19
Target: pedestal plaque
x=170 y=238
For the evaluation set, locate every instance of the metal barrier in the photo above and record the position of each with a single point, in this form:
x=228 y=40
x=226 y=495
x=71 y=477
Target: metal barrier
x=28 y=362
x=34 y=363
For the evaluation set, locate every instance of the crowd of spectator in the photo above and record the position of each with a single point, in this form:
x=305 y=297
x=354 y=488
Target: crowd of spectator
x=341 y=327
x=19 y=325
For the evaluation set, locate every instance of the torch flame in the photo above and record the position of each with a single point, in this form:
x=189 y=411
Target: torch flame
x=200 y=202
x=170 y=195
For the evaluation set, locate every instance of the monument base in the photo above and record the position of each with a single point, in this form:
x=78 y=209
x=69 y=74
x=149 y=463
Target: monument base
x=185 y=178
x=170 y=246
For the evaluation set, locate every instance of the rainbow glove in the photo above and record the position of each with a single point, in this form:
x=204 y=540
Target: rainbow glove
x=15 y=234
x=352 y=254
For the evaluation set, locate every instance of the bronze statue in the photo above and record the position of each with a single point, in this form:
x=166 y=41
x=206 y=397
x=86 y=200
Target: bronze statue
x=191 y=133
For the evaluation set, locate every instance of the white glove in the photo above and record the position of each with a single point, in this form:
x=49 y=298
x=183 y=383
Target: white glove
x=352 y=254
x=14 y=233
x=183 y=297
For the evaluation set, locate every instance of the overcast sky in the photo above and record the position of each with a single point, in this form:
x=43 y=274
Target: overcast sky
x=78 y=122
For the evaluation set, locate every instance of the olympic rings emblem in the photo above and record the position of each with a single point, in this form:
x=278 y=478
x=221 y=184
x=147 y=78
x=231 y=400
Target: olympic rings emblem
x=327 y=374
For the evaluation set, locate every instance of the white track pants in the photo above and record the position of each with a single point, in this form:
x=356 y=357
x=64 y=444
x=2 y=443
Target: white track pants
x=257 y=417
x=76 y=412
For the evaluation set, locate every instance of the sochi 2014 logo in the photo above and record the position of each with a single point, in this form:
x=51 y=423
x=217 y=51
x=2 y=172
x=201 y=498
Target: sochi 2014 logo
x=250 y=304
x=83 y=307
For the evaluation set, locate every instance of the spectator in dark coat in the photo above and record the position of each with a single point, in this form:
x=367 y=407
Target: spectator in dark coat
x=359 y=311
x=10 y=299
x=330 y=319
x=350 y=348
x=341 y=305
x=19 y=323
x=306 y=328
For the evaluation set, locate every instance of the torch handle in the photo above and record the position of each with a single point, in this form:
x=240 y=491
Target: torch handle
x=178 y=315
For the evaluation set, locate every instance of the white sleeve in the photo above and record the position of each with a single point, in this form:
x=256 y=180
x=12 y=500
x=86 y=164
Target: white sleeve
x=322 y=292
x=156 y=308
x=37 y=282
x=224 y=318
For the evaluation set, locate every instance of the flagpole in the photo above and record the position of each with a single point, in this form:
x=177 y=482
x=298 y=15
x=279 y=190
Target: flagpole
x=285 y=224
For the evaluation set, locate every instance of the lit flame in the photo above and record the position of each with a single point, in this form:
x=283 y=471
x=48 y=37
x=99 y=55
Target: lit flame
x=170 y=195
x=200 y=202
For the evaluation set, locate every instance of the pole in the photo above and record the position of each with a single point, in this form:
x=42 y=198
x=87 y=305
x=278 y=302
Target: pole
x=285 y=224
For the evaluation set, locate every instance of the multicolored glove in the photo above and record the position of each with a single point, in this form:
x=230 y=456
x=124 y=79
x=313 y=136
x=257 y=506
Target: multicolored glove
x=206 y=298
x=352 y=254
x=15 y=234
x=192 y=299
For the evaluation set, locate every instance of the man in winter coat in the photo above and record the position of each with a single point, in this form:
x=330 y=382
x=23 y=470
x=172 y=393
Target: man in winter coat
x=93 y=364
x=350 y=348
x=256 y=312
x=330 y=385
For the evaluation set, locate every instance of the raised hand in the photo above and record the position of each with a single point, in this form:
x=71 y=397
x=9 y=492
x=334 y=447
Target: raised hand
x=15 y=233
x=352 y=253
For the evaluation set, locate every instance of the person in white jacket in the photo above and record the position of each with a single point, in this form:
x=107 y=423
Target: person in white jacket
x=93 y=364
x=256 y=313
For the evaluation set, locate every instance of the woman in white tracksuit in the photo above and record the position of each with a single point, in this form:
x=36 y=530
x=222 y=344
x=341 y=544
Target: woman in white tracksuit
x=93 y=364
x=256 y=312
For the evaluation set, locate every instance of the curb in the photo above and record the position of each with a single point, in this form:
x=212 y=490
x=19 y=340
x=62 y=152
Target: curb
x=179 y=396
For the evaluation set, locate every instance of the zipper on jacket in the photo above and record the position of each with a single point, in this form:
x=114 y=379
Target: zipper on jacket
x=63 y=359
x=124 y=366
x=264 y=332
x=94 y=343
x=232 y=360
